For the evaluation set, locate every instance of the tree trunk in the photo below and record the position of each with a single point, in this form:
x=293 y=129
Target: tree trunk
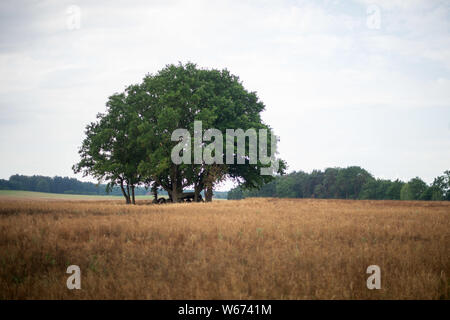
x=174 y=193
x=132 y=194
x=208 y=192
x=155 y=193
x=197 y=189
x=175 y=184
x=196 y=192
x=127 y=196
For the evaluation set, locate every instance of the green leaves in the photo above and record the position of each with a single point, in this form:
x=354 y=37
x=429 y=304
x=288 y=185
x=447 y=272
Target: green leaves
x=131 y=142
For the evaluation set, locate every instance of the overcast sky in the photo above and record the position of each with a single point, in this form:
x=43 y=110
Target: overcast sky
x=345 y=83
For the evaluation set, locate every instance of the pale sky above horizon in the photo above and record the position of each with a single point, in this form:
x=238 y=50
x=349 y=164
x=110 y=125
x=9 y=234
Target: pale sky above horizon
x=345 y=83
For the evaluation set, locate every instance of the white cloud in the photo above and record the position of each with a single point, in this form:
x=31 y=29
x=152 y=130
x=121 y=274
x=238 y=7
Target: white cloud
x=303 y=58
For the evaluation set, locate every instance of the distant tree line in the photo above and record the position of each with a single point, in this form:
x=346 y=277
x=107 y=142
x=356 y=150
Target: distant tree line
x=68 y=185
x=347 y=183
x=57 y=184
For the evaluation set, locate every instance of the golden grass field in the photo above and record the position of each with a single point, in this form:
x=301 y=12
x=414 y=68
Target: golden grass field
x=248 y=249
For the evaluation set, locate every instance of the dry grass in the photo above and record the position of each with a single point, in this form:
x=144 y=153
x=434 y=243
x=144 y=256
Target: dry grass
x=249 y=249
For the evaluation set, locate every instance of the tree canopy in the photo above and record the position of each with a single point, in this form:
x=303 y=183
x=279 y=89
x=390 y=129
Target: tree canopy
x=132 y=142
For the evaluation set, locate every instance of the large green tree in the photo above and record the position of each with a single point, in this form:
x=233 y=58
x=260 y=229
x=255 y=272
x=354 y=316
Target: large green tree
x=133 y=141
